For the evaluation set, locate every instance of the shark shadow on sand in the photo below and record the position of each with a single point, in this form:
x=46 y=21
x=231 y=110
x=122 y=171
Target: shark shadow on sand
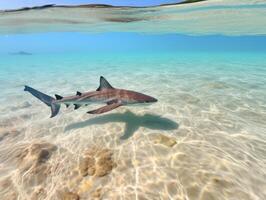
x=133 y=122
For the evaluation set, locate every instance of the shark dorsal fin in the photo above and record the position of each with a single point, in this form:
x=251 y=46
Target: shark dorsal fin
x=104 y=84
x=79 y=93
x=58 y=97
x=76 y=106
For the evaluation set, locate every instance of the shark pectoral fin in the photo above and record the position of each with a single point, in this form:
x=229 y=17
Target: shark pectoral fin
x=105 y=108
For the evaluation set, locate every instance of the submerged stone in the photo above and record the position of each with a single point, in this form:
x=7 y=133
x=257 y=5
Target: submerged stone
x=87 y=166
x=83 y=167
x=164 y=140
x=68 y=196
x=104 y=165
x=97 y=193
x=96 y=162
x=33 y=160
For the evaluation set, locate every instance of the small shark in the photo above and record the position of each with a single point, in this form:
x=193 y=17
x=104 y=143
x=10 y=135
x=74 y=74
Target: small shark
x=105 y=93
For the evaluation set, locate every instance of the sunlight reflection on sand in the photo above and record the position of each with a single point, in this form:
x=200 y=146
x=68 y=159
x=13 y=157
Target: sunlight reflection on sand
x=204 y=142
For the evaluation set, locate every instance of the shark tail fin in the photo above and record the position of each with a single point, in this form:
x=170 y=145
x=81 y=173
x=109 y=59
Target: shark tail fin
x=48 y=100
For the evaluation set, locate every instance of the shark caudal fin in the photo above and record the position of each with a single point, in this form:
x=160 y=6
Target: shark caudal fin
x=48 y=100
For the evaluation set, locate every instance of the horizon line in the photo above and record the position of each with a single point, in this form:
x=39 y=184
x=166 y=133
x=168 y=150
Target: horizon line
x=45 y=6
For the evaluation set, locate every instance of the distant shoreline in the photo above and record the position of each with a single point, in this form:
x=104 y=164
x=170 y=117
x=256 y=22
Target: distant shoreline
x=95 y=6
x=21 y=53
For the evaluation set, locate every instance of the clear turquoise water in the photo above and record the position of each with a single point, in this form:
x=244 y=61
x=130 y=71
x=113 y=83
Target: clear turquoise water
x=212 y=104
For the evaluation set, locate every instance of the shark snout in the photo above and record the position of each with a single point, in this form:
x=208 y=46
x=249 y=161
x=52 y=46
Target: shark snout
x=153 y=99
x=149 y=99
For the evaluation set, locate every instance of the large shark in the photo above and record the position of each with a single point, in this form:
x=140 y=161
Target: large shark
x=105 y=93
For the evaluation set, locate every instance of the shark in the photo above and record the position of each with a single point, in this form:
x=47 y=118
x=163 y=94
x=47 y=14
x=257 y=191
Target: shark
x=105 y=93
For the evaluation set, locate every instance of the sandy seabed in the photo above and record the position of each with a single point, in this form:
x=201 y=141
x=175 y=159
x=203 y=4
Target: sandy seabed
x=204 y=139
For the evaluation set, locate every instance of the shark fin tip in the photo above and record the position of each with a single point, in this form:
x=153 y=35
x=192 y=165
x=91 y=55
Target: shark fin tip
x=104 y=84
x=58 y=97
x=26 y=88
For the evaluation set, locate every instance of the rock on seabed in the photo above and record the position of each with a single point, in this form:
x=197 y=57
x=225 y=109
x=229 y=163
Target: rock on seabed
x=33 y=159
x=164 y=140
x=68 y=196
x=96 y=162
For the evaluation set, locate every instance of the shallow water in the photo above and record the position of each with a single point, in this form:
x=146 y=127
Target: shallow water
x=216 y=116
x=204 y=139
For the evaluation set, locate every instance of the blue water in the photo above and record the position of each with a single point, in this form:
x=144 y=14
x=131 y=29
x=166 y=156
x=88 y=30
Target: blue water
x=120 y=42
x=204 y=138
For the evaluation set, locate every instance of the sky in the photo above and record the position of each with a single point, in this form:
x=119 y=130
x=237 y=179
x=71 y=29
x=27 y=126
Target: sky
x=128 y=42
x=12 y=4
